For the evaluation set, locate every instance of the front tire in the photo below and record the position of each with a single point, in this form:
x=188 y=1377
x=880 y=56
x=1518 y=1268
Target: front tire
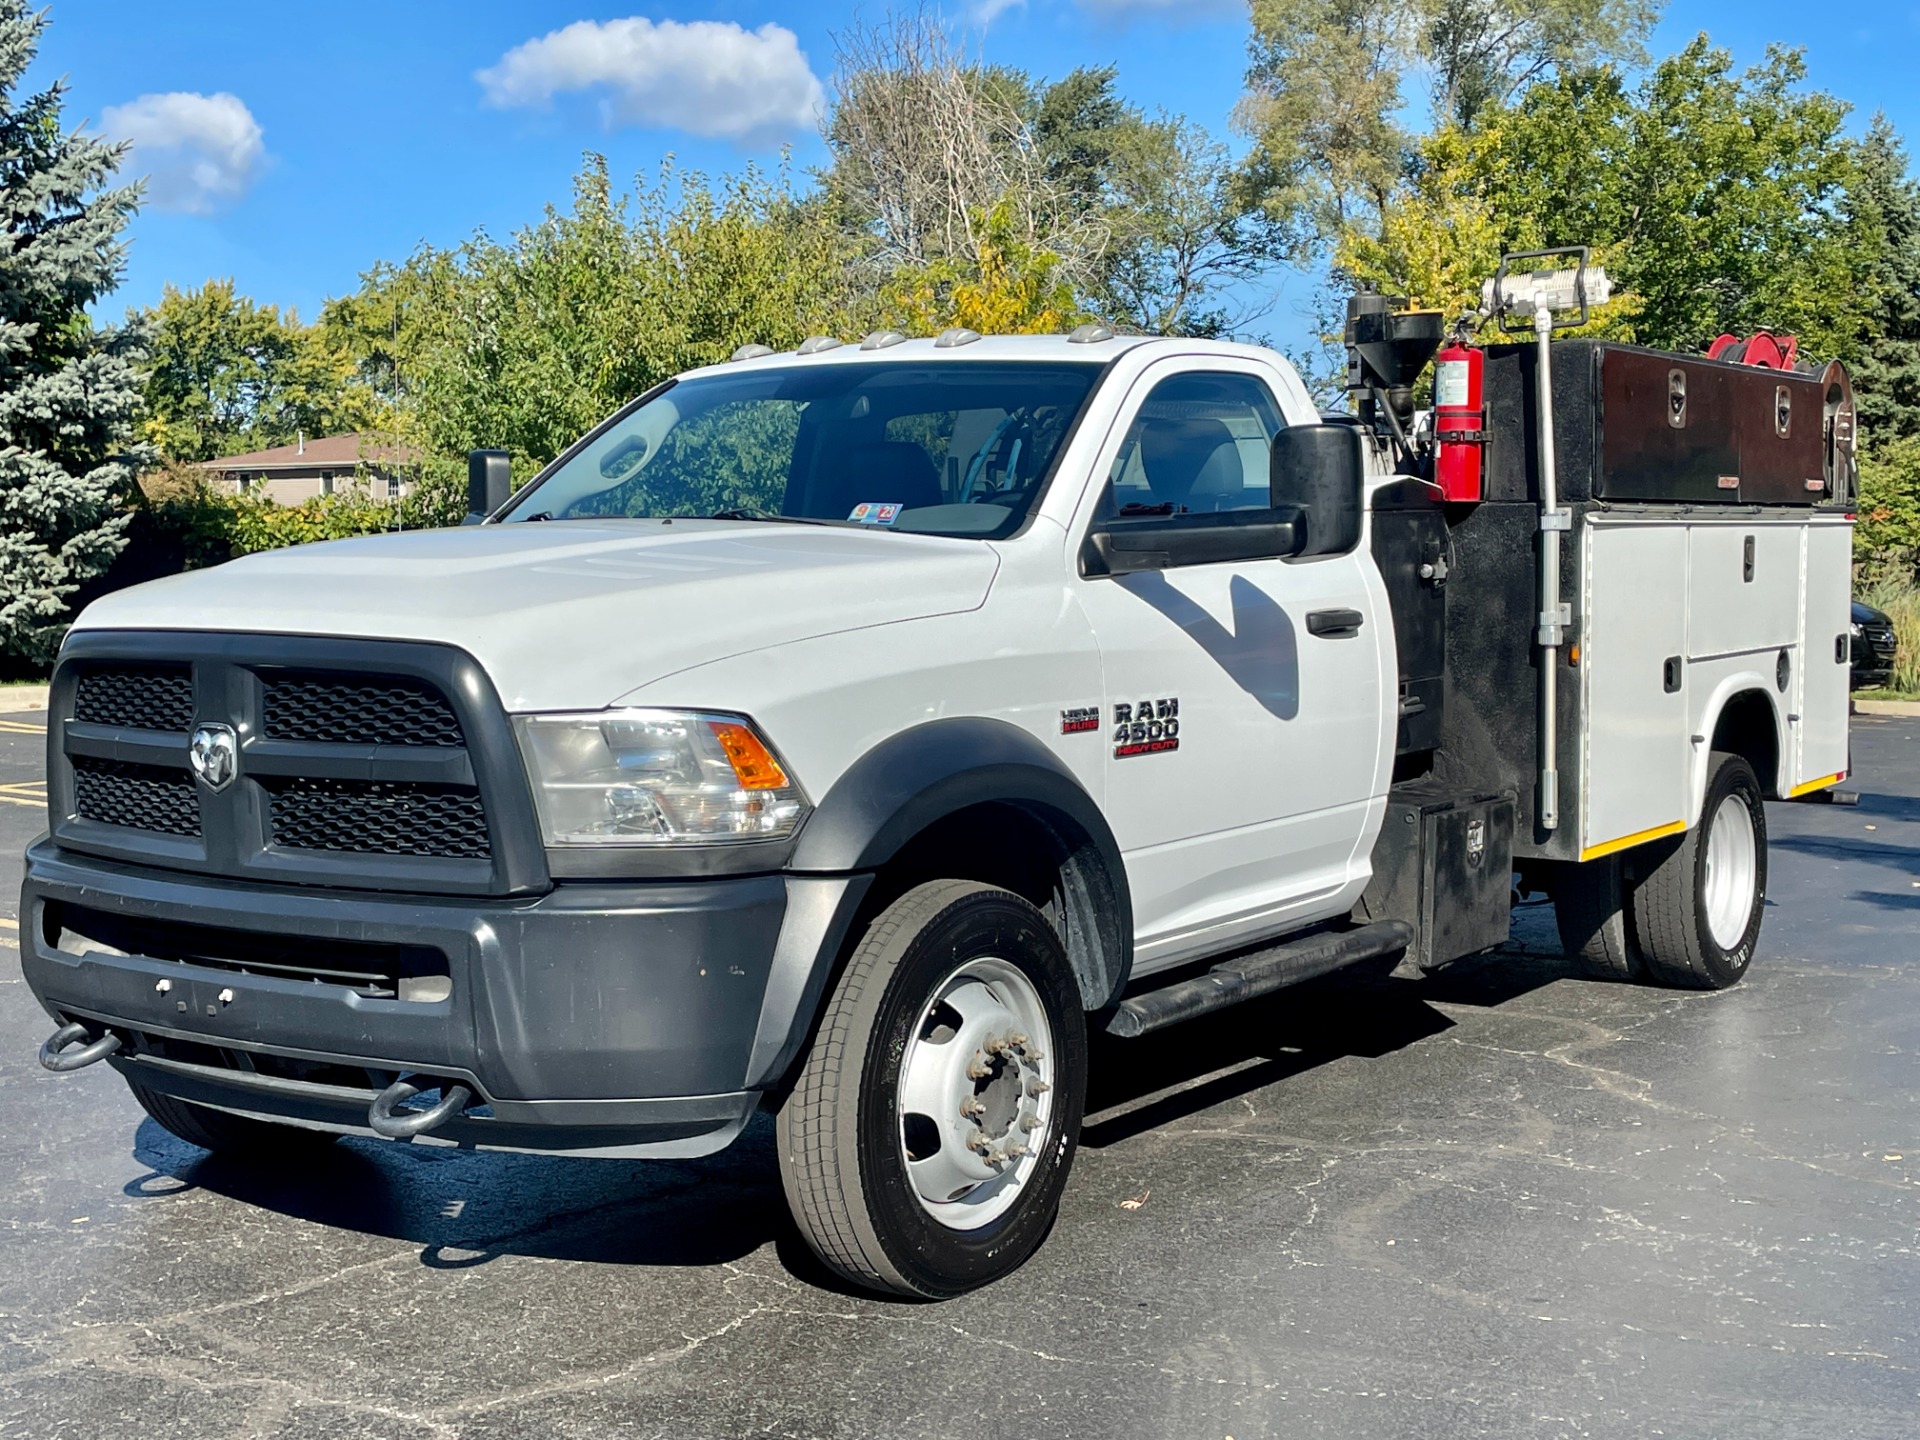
x=925 y=1146
x=226 y=1134
x=1699 y=902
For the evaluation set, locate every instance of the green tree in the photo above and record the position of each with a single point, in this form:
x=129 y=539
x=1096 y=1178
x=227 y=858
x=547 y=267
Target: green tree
x=1887 y=374
x=1327 y=104
x=388 y=326
x=547 y=333
x=228 y=376
x=1482 y=53
x=1184 y=234
x=69 y=396
x=1888 y=534
x=1719 y=201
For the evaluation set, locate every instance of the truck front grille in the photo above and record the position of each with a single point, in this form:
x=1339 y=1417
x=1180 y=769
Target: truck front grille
x=361 y=764
x=374 y=818
x=136 y=697
x=135 y=797
x=353 y=710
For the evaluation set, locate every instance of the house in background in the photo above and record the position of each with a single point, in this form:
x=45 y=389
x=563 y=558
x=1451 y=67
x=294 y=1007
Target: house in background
x=327 y=465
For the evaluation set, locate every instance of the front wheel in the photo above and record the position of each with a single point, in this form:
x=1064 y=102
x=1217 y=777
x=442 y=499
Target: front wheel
x=926 y=1144
x=226 y=1134
x=1698 y=904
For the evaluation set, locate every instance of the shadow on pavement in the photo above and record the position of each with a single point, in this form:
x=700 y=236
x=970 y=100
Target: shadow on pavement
x=465 y=1208
x=1365 y=1016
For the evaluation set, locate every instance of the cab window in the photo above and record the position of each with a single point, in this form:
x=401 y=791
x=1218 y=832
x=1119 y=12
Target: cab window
x=1199 y=445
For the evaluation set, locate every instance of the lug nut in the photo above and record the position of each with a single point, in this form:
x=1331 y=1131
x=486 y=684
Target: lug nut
x=1016 y=1039
x=998 y=1157
x=978 y=1068
x=971 y=1107
x=979 y=1144
x=1016 y=1151
x=1038 y=1088
x=1029 y=1123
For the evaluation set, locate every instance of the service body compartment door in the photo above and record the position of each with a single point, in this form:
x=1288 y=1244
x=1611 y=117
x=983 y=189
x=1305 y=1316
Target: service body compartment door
x=1744 y=587
x=1633 y=654
x=1820 y=737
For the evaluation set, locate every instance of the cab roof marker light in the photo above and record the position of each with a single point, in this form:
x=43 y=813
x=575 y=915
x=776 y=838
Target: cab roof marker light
x=751 y=352
x=1090 y=335
x=883 y=340
x=814 y=344
x=958 y=335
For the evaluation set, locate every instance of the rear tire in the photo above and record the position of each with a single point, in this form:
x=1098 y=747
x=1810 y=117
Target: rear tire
x=895 y=1179
x=1700 y=898
x=226 y=1134
x=1593 y=909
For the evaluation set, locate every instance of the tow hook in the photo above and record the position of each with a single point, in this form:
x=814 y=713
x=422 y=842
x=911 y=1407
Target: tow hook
x=56 y=1057
x=384 y=1116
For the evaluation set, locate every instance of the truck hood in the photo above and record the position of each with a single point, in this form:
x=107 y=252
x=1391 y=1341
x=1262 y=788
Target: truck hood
x=576 y=613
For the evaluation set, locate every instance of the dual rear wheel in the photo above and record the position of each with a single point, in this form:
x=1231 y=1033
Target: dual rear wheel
x=1684 y=911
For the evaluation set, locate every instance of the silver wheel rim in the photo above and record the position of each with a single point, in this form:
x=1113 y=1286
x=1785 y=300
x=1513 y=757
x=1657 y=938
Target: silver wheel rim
x=976 y=1094
x=1732 y=872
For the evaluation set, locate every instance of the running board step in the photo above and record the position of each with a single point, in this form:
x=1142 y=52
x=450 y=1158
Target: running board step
x=1260 y=973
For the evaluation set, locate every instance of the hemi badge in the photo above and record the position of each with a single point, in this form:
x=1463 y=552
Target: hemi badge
x=1082 y=720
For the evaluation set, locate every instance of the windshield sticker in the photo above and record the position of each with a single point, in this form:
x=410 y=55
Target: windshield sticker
x=1150 y=728
x=874 y=513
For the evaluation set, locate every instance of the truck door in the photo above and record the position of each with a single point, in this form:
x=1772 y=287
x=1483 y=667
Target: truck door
x=1245 y=727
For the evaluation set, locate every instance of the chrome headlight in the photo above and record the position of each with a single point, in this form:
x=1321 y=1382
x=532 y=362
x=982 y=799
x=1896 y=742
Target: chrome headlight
x=656 y=777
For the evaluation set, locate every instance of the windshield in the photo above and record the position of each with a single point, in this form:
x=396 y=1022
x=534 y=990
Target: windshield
x=961 y=448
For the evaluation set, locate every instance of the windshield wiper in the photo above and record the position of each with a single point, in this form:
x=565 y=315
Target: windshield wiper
x=751 y=512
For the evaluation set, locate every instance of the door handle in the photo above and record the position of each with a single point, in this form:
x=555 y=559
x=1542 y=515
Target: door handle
x=1334 y=623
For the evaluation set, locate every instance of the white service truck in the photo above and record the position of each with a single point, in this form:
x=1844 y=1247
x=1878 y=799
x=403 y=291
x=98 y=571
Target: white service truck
x=846 y=733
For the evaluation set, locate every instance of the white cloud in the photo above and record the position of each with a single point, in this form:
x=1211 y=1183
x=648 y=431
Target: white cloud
x=984 y=12
x=704 y=76
x=199 y=152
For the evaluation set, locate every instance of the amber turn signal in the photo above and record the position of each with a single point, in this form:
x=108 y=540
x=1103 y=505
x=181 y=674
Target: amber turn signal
x=755 y=767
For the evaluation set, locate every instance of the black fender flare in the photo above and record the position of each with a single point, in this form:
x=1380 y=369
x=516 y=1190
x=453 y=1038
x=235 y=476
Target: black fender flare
x=895 y=791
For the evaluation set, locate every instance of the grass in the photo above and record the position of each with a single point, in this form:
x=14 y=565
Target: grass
x=1900 y=598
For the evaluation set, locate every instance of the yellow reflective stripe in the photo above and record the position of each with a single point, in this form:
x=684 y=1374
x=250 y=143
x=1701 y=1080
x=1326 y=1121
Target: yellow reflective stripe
x=1813 y=785
x=1627 y=842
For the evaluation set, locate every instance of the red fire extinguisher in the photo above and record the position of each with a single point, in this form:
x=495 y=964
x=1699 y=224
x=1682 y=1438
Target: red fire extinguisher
x=1459 y=423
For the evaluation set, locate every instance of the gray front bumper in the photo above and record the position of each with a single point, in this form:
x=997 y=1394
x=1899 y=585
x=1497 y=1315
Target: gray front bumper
x=610 y=1018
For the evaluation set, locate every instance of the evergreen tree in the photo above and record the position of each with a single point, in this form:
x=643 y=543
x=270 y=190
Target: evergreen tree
x=69 y=396
x=1887 y=377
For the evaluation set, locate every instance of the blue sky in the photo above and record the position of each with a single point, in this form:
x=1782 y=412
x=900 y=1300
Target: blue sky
x=315 y=139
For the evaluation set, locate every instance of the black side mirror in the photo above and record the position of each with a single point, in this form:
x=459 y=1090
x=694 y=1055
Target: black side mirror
x=1131 y=543
x=1322 y=469
x=489 y=483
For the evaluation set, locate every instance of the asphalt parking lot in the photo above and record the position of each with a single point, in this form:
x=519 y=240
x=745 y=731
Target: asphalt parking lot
x=1502 y=1202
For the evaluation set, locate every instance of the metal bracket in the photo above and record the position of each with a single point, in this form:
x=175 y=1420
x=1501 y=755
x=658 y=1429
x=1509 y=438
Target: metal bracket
x=1556 y=520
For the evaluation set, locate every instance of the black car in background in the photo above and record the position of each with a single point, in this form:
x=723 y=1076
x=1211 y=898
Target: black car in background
x=1873 y=647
